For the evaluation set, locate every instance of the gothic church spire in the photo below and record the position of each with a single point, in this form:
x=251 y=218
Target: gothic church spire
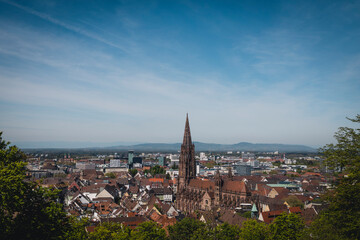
x=187 y=134
x=187 y=164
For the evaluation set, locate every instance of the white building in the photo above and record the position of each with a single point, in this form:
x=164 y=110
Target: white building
x=203 y=157
x=114 y=162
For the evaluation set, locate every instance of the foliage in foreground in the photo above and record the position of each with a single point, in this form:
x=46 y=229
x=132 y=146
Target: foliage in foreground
x=341 y=220
x=27 y=211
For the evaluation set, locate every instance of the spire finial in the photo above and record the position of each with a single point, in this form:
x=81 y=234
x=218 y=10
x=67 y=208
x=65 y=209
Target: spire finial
x=187 y=134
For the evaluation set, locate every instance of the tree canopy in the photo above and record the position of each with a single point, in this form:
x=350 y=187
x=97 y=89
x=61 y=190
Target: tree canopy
x=293 y=201
x=133 y=172
x=149 y=231
x=254 y=230
x=341 y=220
x=287 y=227
x=185 y=229
x=110 y=231
x=27 y=211
x=345 y=154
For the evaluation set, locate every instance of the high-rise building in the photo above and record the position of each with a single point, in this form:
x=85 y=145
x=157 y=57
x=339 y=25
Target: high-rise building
x=161 y=161
x=130 y=158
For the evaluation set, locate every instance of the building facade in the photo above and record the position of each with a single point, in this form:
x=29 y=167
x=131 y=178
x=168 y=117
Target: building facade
x=243 y=170
x=196 y=194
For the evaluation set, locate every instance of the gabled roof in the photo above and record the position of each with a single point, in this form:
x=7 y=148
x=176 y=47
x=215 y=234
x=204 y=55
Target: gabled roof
x=268 y=217
x=104 y=194
x=254 y=208
x=210 y=195
x=154 y=200
x=145 y=182
x=93 y=188
x=88 y=172
x=231 y=217
x=112 y=190
x=235 y=186
x=128 y=203
x=295 y=210
x=134 y=189
x=204 y=185
x=262 y=189
x=160 y=191
x=74 y=185
x=272 y=203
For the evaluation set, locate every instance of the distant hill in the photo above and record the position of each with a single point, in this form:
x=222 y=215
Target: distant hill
x=174 y=147
x=199 y=146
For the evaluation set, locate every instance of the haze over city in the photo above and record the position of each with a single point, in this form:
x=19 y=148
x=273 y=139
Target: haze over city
x=98 y=72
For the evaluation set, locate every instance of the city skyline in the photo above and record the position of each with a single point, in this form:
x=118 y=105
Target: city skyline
x=128 y=72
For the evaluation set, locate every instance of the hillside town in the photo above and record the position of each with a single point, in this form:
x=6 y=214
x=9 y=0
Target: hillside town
x=232 y=187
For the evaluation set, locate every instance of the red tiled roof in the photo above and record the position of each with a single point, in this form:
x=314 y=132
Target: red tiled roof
x=295 y=209
x=205 y=185
x=156 y=180
x=235 y=186
x=271 y=215
x=131 y=222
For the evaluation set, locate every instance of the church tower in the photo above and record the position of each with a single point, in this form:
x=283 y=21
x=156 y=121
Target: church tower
x=187 y=164
x=218 y=188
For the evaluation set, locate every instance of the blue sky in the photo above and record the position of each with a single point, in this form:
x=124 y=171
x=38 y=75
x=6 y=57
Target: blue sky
x=97 y=72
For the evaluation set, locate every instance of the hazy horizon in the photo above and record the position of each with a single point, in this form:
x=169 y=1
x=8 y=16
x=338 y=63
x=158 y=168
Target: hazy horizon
x=246 y=71
x=74 y=145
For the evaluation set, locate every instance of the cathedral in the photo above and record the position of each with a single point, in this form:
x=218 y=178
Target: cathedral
x=204 y=194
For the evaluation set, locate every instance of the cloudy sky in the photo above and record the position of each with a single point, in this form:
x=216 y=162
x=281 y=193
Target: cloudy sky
x=78 y=73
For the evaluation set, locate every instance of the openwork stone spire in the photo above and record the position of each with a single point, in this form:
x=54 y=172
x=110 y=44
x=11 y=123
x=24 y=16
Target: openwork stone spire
x=187 y=134
x=187 y=164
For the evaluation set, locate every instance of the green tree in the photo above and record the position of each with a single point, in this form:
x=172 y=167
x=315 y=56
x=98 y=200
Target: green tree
x=27 y=211
x=254 y=230
x=341 y=220
x=287 y=227
x=226 y=231
x=157 y=170
x=148 y=231
x=111 y=231
x=245 y=214
x=210 y=164
x=111 y=175
x=133 y=172
x=293 y=201
x=345 y=153
x=203 y=233
x=158 y=208
x=77 y=231
x=185 y=229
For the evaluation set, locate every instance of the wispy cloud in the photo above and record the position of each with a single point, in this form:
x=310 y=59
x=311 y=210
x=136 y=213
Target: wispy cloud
x=67 y=26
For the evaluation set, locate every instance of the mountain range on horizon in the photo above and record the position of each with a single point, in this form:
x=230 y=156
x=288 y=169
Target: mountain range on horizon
x=199 y=146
